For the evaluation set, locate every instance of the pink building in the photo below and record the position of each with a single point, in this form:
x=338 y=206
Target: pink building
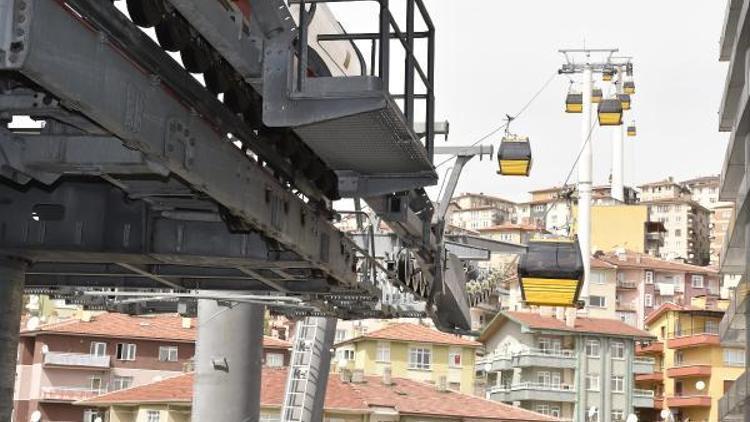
x=643 y=283
x=64 y=362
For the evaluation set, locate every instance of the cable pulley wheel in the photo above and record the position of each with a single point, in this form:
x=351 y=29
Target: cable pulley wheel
x=146 y=13
x=196 y=57
x=173 y=32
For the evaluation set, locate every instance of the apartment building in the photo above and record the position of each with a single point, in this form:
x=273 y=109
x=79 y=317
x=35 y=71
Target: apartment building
x=68 y=361
x=411 y=351
x=565 y=367
x=721 y=218
x=644 y=283
x=663 y=189
x=633 y=229
x=694 y=370
x=687 y=229
x=356 y=399
x=474 y=211
x=515 y=233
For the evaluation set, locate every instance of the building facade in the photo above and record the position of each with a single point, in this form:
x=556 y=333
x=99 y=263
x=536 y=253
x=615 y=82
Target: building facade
x=476 y=211
x=567 y=368
x=359 y=399
x=687 y=234
x=694 y=370
x=411 y=351
x=62 y=363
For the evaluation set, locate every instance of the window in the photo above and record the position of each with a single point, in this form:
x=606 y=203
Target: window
x=274 y=360
x=383 y=352
x=346 y=354
x=648 y=300
x=555 y=411
x=598 y=277
x=679 y=358
x=120 y=383
x=549 y=345
x=677 y=233
x=267 y=417
x=543 y=409
x=592 y=348
x=618 y=415
x=168 y=353
x=420 y=358
x=544 y=377
x=618 y=384
x=618 y=350
x=592 y=382
x=597 y=301
x=153 y=416
x=125 y=351
x=697 y=281
x=455 y=354
x=711 y=326
x=98 y=348
x=340 y=335
x=649 y=277
x=90 y=415
x=96 y=384
x=734 y=357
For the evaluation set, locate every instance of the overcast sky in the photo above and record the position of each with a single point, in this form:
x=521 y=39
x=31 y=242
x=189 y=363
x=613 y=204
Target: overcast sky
x=492 y=56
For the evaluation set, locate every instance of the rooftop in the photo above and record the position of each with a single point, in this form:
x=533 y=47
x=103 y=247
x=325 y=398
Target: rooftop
x=705 y=180
x=686 y=201
x=152 y=327
x=535 y=321
x=666 y=182
x=480 y=195
x=411 y=398
x=508 y=226
x=414 y=333
x=630 y=259
x=669 y=306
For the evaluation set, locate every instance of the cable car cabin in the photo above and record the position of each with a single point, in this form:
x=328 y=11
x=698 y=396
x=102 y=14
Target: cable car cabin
x=574 y=103
x=628 y=87
x=514 y=156
x=608 y=74
x=631 y=130
x=625 y=100
x=596 y=95
x=551 y=273
x=610 y=112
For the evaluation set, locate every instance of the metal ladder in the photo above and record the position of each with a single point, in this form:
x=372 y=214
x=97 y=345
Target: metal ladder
x=308 y=372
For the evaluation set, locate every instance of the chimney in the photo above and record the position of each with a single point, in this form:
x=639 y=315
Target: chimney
x=187 y=323
x=387 y=376
x=358 y=376
x=442 y=384
x=570 y=318
x=346 y=376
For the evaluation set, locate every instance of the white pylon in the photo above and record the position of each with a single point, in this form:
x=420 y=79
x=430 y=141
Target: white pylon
x=585 y=174
x=618 y=140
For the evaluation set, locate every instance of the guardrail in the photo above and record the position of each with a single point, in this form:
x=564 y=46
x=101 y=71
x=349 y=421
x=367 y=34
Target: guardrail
x=76 y=359
x=70 y=393
x=644 y=360
x=644 y=393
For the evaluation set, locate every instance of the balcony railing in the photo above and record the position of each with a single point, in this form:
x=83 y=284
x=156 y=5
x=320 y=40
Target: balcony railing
x=687 y=370
x=627 y=284
x=643 y=393
x=692 y=338
x=83 y=360
x=552 y=358
x=689 y=401
x=70 y=394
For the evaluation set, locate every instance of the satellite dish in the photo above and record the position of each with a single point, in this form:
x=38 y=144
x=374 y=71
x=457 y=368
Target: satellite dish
x=487 y=367
x=32 y=324
x=700 y=385
x=36 y=416
x=45 y=349
x=632 y=418
x=98 y=419
x=592 y=411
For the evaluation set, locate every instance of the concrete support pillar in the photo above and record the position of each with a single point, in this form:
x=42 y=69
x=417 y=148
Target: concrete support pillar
x=228 y=364
x=12 y=274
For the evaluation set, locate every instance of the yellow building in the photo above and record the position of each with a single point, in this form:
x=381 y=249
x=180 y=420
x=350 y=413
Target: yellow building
x=412 y=351
x=693 y=369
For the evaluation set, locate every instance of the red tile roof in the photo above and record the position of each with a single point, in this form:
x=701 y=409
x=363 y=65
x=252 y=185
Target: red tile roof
x=640 y=260
x=669 y=306
x=113 y=325
x=414 y=333
x=612 y=327
x=601 y=264
x=411 y=398
x=526 y=227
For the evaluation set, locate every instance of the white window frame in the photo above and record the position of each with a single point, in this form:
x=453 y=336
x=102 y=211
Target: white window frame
x=618 y=415
x=340 y=335
x=98 y=348
x=649 y=277
x=697 y=281
x=347 y=354
x=90 y=415
x=617 y=350
x=383 y=352
x=544 y=378
x=734 y=357
x=96 y=383
x=453 y=353
x=593 y=382
x=121 y=383
x=168 y=354
x=602 y=301
x=710 y=326
x=591 y=343
x=679 y=358
x=420 y=358
x=618 y=384
x=274 y=360
x=153 y=416
x=125 y=351
x=648 y=300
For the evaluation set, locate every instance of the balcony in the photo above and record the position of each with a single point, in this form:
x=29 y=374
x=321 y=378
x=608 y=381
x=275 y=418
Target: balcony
x=564 y=359
x=69 y=394
x=659 y=402
x=689 y=401
x=643 y=365
x=652 y=377
x=643 y=398
x=626 y=307
x=627 y=284
x=494 y=362
x=656 y=348
x=75 y=360
x=687 y=371
x=697 y=339
x=534 y=391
